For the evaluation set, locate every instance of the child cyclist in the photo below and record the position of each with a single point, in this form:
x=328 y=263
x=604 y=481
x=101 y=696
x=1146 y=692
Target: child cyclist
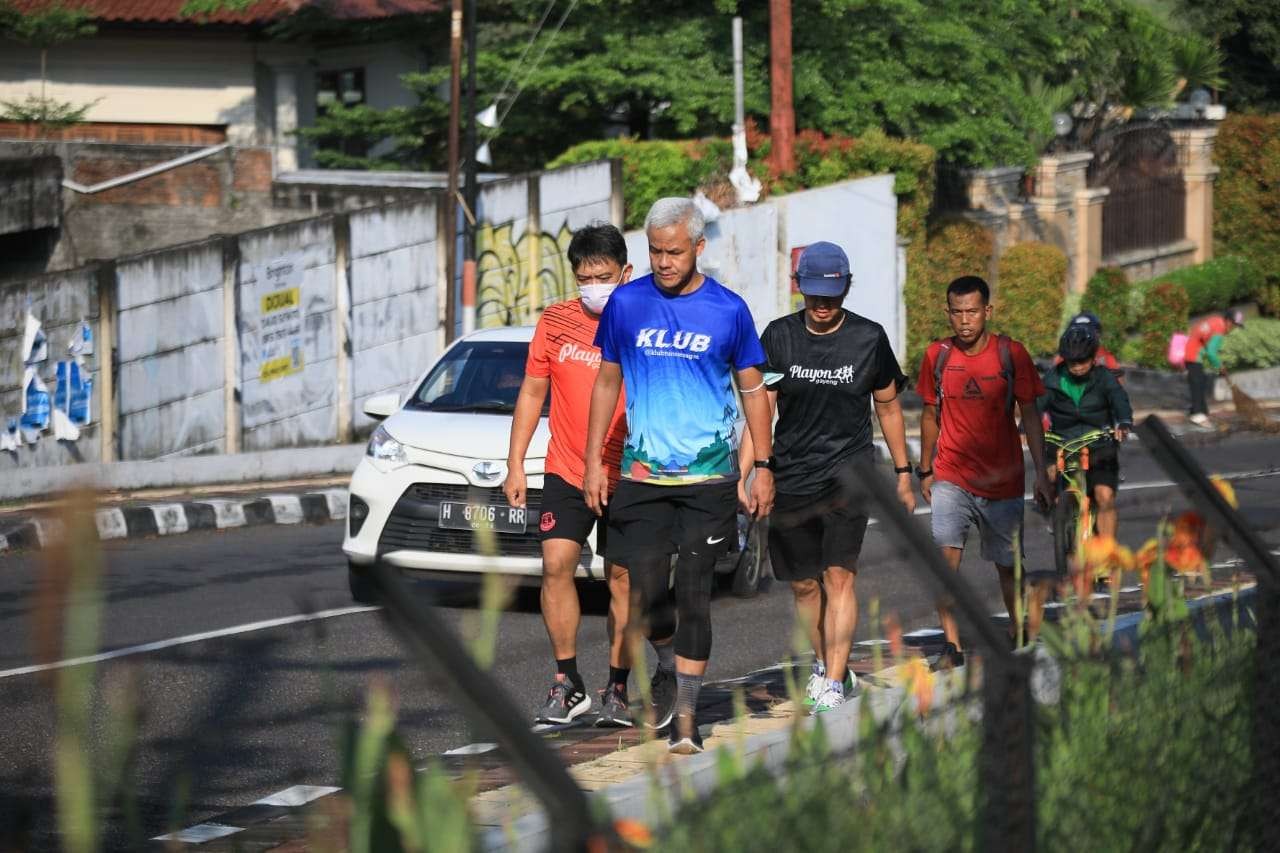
x=1082 y=395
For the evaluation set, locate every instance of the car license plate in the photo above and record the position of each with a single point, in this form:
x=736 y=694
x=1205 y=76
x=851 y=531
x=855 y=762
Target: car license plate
x=457 y=515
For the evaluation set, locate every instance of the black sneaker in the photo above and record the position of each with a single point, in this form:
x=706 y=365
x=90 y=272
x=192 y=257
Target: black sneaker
x=662 y=698
x=950 y=658
x=564 y=702
x=614 y=710
x=683 y=738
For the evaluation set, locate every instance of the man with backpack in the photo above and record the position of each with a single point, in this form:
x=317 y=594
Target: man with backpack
x=970 y=384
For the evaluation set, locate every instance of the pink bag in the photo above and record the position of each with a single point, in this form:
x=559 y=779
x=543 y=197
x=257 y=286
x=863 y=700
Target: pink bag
x=1177 y=354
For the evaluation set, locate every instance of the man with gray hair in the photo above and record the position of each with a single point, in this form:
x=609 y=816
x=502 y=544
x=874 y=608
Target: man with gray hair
x=677 y=339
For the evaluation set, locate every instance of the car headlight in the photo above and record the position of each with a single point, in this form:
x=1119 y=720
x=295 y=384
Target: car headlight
x=384 y=448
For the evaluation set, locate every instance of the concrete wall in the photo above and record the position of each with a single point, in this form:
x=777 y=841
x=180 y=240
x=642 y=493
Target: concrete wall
x=749 y=250
x=169 y=351
x=60 y=301
x=30 y=194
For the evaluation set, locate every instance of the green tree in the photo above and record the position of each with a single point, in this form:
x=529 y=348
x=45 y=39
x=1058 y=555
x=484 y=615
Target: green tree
x=1248 y=34
x=43 y=30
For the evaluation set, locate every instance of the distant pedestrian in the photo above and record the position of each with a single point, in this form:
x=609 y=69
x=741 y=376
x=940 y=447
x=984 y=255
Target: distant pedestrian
x=1204 y=341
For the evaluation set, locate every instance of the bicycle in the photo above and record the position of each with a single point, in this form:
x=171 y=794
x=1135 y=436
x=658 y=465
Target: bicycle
x=1071 y=496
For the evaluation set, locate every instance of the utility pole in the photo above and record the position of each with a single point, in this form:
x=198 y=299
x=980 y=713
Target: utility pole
x=782 y=117
x=451 y=199
x=471 y=182
x=746 y=187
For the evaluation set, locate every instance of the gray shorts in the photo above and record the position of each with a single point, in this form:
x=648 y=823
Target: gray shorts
x=999 y=521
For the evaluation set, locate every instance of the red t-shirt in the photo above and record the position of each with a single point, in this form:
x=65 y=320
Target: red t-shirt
x=1200 y=334
x=563 y=349
x=979 y=448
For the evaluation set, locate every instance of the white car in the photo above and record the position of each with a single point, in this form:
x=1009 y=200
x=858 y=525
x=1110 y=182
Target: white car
x=427 y=496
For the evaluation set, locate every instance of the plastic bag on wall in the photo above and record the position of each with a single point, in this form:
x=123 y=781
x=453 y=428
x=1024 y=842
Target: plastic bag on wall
x=9 y=439
x=63 y=428
x=35 y=346
x=81 y=340
x=35 y=405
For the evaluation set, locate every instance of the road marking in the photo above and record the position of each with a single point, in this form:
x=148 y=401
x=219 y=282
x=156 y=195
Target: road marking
x=472 y=749
x=287 y=508
x=298 y=795
x=159 y=645
x=200 y=833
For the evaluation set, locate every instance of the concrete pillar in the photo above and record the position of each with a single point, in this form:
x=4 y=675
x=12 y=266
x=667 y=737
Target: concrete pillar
x=1088 y=249
x=286 y=123
x=1195 y=154
x=1058 y=180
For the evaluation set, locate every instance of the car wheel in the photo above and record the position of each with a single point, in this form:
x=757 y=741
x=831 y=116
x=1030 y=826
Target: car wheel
x=363 y=589
x=752 y=560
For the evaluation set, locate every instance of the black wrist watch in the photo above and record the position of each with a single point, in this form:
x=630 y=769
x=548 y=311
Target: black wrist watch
x=922 y=473
x=769 y=463
x=905 y=469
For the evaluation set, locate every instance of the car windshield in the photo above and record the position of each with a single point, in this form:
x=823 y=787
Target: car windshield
x=480 y=376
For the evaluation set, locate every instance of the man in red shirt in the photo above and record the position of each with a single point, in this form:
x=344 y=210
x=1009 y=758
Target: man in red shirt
x=1203 y=341
x=970 y=384
x=563 y=357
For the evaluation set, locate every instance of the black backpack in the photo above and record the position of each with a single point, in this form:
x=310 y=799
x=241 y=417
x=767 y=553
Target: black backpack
x=1006 y=369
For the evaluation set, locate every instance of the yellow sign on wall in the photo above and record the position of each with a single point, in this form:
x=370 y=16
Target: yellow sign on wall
x=281 y=332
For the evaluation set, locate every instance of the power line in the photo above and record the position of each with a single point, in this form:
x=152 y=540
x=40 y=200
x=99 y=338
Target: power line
x=546 y=13
x=534 y=67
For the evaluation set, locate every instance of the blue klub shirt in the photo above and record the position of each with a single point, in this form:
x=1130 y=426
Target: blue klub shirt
x=678 y=355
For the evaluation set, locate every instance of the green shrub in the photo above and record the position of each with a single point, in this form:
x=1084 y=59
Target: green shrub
x=1257 y=344
x=951 y=249
x=1164 y=311
x=1217 y=284
x=1031 y=279
x=1107 y=295
x=1246 y=194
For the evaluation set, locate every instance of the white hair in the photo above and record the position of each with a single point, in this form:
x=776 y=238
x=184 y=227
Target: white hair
x=674 y=210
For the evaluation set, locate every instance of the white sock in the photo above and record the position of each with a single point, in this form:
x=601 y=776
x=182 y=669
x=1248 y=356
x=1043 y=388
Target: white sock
x=819 y=669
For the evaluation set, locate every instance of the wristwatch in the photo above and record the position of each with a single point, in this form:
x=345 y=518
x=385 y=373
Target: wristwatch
x=905 y=469
x=922 y=473
x=769 y=463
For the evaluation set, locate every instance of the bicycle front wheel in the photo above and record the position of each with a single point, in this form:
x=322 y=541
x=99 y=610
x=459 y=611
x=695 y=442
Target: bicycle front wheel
x=1064 y=533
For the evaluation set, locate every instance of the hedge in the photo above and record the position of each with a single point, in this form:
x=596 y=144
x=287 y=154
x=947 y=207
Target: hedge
x=1107 y=295
x=1246 y=196
x=1256 y=344
x=952 y=248
x=1028 y=302
x=1164 y=311
x=1217 y=284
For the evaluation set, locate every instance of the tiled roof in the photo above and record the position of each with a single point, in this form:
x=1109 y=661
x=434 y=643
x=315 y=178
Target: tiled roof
x=263 y=11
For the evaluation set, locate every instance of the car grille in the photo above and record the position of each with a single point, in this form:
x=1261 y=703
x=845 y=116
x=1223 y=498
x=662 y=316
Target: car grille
x=407 y=530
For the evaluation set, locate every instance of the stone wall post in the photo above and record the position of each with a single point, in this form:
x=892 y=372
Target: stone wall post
x=1195 y=153
x=1058 y=178
x=1088 y=253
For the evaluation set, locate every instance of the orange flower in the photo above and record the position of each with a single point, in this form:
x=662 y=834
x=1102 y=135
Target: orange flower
x=1124 y=559
x=1228 y=491
x=1147 y=554
x=1185 y=558
x=893 y=633
x=919 y=681
x=1190 y=524
x=1099 y=551
x=633 y=832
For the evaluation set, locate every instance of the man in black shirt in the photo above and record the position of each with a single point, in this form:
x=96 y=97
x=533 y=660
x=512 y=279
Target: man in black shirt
x=825 y=366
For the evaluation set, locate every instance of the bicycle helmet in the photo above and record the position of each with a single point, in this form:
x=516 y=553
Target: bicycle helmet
x=1078 y=343
x=1087 y=318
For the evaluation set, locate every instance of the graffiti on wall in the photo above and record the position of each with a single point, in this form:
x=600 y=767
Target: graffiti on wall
x=505 y=290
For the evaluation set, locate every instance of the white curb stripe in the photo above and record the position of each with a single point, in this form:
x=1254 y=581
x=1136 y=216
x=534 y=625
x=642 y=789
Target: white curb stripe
x=200 y=833
x=226 y=513
x=111 y=524
x=48 y=530
x=298 y=795
x=158 y=645
x=170 y=518
x=287 y=508
x=337 y=501
x=4 y=543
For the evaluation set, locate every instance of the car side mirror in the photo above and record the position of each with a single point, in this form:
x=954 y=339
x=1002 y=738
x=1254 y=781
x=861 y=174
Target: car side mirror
x=382 y=406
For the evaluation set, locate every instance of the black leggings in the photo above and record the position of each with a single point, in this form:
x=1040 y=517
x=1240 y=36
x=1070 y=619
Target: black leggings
x=695 y=578
x=1201 y=386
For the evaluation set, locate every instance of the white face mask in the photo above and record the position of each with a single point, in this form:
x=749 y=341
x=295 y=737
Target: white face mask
x=596 y=296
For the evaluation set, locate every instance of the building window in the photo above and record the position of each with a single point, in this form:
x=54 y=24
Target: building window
x=344 y=87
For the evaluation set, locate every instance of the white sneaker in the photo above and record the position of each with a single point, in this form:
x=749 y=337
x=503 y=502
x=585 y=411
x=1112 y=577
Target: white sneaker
x=1200 y=419
x=832 y=697
x=814 y=689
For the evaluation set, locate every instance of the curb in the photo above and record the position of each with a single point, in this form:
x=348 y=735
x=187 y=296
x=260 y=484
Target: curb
x=169 y=519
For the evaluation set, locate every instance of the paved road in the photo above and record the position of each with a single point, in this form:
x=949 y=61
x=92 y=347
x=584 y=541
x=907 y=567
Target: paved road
x=233 y=718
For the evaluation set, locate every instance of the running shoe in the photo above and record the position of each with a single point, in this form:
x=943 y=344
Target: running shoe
x=950 y=658
x=614 y=710
x=684 y=737
x=565 y=702
x=832 y=697
x=817 y=684
x=1201 y=420
x=662 y=698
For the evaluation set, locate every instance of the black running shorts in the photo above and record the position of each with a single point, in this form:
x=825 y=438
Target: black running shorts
x=809 y=533
x=654 y=521
x=1104 y=465
x=564 y=514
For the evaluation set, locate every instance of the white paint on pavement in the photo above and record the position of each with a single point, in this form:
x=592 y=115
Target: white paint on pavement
x=473 y=749
x=111 y=524
x=226 y=513
x=200 y=833
x=159 y=645
x=170 y=518
x=287 y=508
x=298 y=795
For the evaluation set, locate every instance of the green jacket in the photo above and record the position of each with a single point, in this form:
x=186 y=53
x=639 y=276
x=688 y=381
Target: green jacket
x=1103 y=404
